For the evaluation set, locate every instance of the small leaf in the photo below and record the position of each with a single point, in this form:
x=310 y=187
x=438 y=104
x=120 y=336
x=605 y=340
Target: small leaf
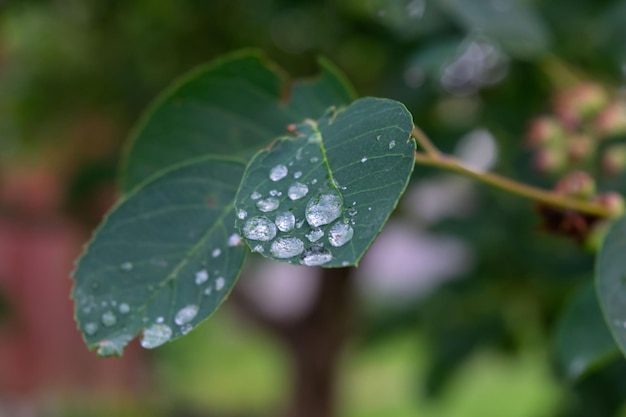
x=322 y=197
x=583 y=340
x=164 y=259
x=233 y=107
x=611 y=280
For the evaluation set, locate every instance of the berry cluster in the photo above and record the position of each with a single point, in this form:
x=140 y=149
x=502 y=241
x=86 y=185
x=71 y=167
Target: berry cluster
x=583 y=132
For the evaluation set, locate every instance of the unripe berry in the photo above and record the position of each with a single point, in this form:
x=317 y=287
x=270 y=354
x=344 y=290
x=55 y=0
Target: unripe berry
x=613 y=201
x=580 y=102
x=595 y=237
x=576 y=184
x=549 y=161
x=613 y=160
x=580 y=148
x=612 y=120
x=545 y=132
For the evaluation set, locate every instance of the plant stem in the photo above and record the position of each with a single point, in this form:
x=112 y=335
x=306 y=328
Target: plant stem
x=425 y=143
x=432 y=157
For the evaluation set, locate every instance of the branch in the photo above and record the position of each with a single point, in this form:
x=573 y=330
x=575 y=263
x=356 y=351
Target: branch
x=433 y=157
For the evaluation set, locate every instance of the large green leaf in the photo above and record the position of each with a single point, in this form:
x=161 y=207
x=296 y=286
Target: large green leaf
x=321 y=198
x=583 y=340
x=233 y=107
x=611 y=280
x=164 y=259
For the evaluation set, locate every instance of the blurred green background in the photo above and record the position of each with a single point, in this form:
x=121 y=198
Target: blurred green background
x=458 y=307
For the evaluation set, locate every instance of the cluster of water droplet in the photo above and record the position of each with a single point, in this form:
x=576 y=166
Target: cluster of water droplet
x=273 y=228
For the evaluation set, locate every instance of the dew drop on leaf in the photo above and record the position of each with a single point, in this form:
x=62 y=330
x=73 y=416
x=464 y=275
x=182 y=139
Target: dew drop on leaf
x=325 y=207
x=219 y=283
x=287 y=247
x=392 y=144
x=186 y=329
x=315 y=256
x=126 y=266
x=160 y=319
x=268 y=204
x=201 y=276
x=234 y=240
x=297 y=191
x=285 y=221
x=315 y=234
x=278 y=172
x=242 y=214
x=155 y=335
x=109 y=319
x=124 y=308
x=216 y=252
x=297 y=175
x=255 y=196
x=259 y=248
x=339 y=234
x=186 y=314
x=364 y=159
x=259 y=228
x=91 y=328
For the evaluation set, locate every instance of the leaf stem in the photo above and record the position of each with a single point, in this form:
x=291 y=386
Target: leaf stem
x=433 y=157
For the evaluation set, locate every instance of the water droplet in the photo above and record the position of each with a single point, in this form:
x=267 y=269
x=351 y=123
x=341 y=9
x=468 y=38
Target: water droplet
x=315 y=234
x=297 y=175
x=202 y=277
x=314 y=159
x=219 y=284
x=255 y=195
x=156 y=335
x=345 y=263
x=234 y=240
x=208 y=291
x=297 y=191
x=115 y=346
x=314 y=181
x=325 y=207
x=392 y=144
x=126 y=266
x=160 y=319
x=278 y=172
x=378 y=137
x=285 y=221
x=352 y=212
x=315 y=256
x=186 y=314
x=364 y=159
x=104 y=304
x=369 y=209
x=259 y=248
x=186 y=329
x=109 y=319
x=259 y=228
x=268 y=204
x=216 y=252
x=242 y=214
x=339 y=234
x=287 y=247
x=91 y=328
x=124 y=308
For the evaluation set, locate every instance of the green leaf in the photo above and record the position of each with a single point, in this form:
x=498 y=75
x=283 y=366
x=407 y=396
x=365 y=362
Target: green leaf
x=583 y=340
x=233 y=107
x=164 y=259
x=512 y=23
x=611 y=280
x=321 y=198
